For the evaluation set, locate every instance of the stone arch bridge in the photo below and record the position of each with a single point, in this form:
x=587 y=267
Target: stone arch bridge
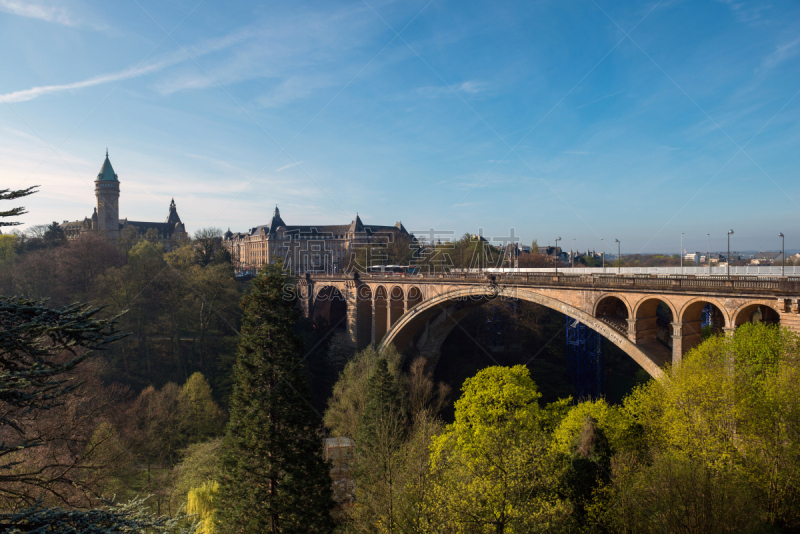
x=655 y=319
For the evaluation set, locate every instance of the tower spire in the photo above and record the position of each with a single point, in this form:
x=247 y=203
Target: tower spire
x=106 y=151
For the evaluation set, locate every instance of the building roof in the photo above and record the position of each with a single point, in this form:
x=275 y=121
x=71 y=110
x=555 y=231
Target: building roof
x=356 y=226
x=333 y=231
x=276 y=221
x=172 y=225
x=173 y=217
x=107 y=172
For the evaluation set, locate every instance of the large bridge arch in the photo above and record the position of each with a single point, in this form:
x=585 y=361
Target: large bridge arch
x=430 y=323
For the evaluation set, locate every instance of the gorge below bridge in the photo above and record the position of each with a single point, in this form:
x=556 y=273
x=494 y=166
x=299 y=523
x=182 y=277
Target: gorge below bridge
x=416 y=313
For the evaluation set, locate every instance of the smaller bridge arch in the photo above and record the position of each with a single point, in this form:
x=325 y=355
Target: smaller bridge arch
x=614 y=310
x=413 y=297
x=380 y=313
x=770 y=313
x=691 y=310
x=643 y=306
x=690 y=330
x=397 y=304
x=330 y=304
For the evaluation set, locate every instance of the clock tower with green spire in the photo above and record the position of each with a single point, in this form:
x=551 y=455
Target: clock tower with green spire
x=106 y=188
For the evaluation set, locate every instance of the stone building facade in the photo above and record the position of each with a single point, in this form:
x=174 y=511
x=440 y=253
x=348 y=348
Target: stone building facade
x=106 y=219
x=306 y=248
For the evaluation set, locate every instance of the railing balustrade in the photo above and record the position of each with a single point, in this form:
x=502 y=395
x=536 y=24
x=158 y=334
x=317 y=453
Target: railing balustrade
x=789 y=284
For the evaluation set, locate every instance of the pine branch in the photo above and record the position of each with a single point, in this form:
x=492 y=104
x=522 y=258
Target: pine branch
x=8 y=194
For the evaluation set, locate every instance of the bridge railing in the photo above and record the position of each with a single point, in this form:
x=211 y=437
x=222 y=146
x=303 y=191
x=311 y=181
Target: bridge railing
x=788 y=285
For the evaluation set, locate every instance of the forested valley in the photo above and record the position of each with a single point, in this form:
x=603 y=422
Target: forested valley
x=144 y=389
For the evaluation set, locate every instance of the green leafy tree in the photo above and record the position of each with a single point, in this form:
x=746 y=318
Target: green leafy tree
x=273 y=476
x=349 y=400
x=723 y=440
x=199 y=464
x=200 y=415
x=491 y=467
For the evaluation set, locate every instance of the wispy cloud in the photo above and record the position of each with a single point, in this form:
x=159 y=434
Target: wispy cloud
x=782 y=53
x=26 y=8
x=434 y=91
x=289 y=166
x=293 y=57
x=747 y=12
x=131 y=72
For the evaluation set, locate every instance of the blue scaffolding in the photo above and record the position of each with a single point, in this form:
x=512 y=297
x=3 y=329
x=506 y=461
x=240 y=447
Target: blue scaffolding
x=584 y=359
x=705 y=318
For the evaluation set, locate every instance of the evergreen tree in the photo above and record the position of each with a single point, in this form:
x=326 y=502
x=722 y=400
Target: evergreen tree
x=273 y=476
x=381 y=433
x=384 y=409
x=54 y=235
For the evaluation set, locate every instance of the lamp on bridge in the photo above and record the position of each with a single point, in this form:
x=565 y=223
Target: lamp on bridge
x=729 y=253
x=619 y=256
x=556 y=254
x=571 y=255
x=783 y=253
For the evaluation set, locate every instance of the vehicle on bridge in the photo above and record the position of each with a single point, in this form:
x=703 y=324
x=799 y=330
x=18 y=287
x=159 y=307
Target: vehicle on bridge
x=392 y=269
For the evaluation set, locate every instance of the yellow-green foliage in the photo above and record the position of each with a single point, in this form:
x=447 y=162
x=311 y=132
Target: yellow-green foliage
x=201 y=502
x=7 y=243
x=202 y=417
x=200 y=462
x=732 y=410
x=491 y=467
x=612 y=420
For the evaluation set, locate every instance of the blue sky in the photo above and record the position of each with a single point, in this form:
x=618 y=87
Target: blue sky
x=572 y=118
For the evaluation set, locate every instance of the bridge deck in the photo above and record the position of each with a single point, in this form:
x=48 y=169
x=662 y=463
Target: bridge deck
x=672 y=283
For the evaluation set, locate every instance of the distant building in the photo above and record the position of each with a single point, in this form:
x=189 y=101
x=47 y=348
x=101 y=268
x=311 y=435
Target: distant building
x=105 y=218
x=306 y=248
x=513 y=251
x=767 y=258
x=555 y=252
x=693 y=257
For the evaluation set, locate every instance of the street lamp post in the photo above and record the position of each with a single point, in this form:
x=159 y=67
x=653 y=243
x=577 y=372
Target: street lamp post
x=681 y=252
x=783 y=253
x=572 y=254
x=709 y=253
x=604 y=255
x=729 y=253
x=556 y=254
x=619 y=256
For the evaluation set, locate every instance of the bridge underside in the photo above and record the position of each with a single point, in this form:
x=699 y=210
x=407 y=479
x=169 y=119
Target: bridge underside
x=655 y=328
